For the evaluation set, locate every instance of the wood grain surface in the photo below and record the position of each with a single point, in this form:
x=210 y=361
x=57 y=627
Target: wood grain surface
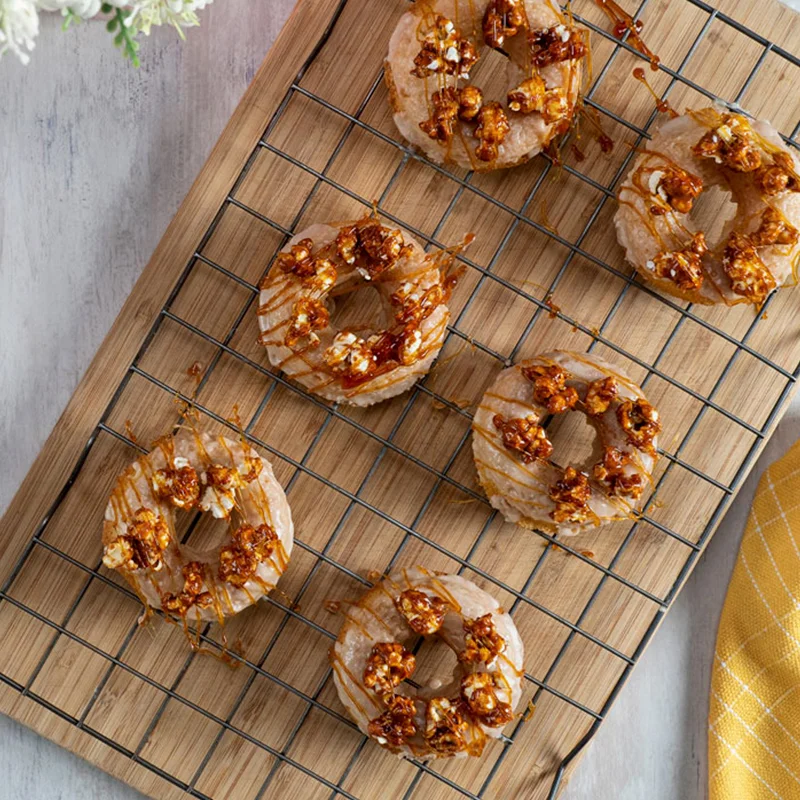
x=586 y=294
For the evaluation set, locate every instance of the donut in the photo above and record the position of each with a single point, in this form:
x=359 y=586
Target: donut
x=193 y=471
x=350 y=366
x=441 y=111
x=758 y=248
x=518 y=465
x=373 y=655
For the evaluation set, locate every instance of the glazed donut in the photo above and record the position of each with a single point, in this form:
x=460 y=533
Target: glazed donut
x=297 y=295
x=515 y=459
x=759 y=248
x=434 y=48
x=372 y=657
x=189 y=471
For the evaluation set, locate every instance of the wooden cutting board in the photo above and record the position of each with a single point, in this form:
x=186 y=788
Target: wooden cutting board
x=391 y=485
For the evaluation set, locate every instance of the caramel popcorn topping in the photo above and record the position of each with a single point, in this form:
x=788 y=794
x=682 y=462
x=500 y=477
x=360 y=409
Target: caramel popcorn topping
x=388 y=665
x=524 y=436
x=528 y=96
x=298 y=259
x=730 y=144
x=552 y=45
x=444 y=726
x=249 y=546
x=221 y=484
x=773 y=229
x=178 y=484
x=777 y=177
x=470 y=99
x=749 y=275
x=571 y=495
x=600 y=395
x=676 y=188
x=308 y=315
x=556 y=106
x=350 y=356
x=382 y=248
x=492 y=129
x=640 y=422
x=445 y=51
x=347 y=243
x=683 y=267
x=444 y=112
x=550 y=387
x=502 y=20
x=424 y=613
x=192 y=594
x=413 y=306
x=482 y=642
x=141 y=547
x=479 y=695
x=610 y=472
x=396 y=725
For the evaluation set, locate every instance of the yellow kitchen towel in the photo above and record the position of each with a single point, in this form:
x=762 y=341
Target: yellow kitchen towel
x=754 y=714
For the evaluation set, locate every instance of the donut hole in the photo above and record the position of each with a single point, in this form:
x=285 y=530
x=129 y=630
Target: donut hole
x=357 y=307
x=202 y=530
x=712 y=213
x=575 y=441
x=436 y=666
x=490 y=75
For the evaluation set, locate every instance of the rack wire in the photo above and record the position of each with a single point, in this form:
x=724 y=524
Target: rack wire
x=225 y=347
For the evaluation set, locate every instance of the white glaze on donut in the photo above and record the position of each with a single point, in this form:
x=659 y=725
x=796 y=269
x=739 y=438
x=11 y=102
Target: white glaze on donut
x=644 y=235
x=410 y=96
x=521 y=491
x=258 y=500
x=374 y=618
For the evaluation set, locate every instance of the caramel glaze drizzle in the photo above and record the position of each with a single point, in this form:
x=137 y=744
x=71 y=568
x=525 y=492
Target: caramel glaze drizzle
x=624 y=23
x=221 y=600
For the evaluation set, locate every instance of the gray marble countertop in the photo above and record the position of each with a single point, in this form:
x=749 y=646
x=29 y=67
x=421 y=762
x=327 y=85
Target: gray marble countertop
x=95 y=159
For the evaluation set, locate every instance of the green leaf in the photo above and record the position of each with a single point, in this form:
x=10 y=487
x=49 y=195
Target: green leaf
x=125 y=37
x=111 y=25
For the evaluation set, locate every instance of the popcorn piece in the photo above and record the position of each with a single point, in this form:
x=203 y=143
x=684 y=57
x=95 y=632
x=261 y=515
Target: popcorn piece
x=730 y=144
x=777 y=177
x=611 y=473
x=675 y=189
x=482 y=642
x=350 y=356
x=550 y=387
x=529 y=96
x=773 y=229
x=748 y=274
x=178 y=484
x=249 y=546
x=388 y=665
x=492 y=130
x=141 y=546
x=479 y=695
x=600 y=395
x=571 y=494
x=396 y=725
x=444 y=726
x=424 y=613
x=445 y=50
x=556 y=44
x=640 y=422
x=683 y=267
x=444 y=112
x=307 y=316
x=502 y=20
x=219 y=496
x=524 y=436
x=192 y=594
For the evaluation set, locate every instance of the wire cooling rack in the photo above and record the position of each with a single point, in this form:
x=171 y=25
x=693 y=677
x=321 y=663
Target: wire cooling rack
x=225 y=347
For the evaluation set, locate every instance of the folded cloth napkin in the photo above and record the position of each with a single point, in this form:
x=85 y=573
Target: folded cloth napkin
x=754 y=714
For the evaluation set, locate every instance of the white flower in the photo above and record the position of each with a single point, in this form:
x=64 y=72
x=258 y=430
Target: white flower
x=179 y=13
x=19 y=25
x=85 y=9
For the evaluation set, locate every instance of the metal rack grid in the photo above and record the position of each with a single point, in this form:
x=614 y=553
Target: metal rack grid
x=224 y=347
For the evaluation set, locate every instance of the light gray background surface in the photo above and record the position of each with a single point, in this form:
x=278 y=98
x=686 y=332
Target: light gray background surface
x=95 y=158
